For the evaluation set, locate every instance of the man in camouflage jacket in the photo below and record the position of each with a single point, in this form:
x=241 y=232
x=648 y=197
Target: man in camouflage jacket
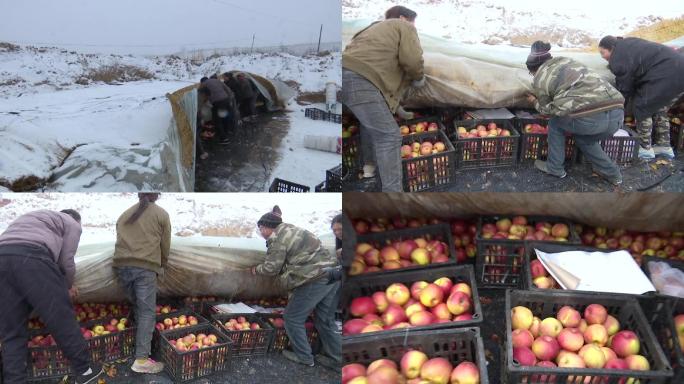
x=302 y=264
x=580 y=103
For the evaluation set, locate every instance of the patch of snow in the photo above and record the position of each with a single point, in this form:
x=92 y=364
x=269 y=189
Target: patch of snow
x=190 y=213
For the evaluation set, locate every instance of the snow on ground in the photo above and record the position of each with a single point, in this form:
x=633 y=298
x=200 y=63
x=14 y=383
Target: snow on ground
x=47 y=107
x=577 y=23
x=197 y=214
x=303 y=165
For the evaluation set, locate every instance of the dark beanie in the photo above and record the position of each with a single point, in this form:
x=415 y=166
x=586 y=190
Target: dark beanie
x=271 y=219
x=608 y=42
x=539 y=54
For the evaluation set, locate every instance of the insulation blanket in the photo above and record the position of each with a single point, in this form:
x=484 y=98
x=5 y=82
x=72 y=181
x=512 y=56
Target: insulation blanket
x=633 y=211
x=197 y=266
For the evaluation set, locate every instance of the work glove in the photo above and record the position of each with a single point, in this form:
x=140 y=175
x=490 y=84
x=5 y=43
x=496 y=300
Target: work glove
x=420 y=83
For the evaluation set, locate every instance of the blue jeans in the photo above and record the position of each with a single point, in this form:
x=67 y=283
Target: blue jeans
x=380 y=136
x=588 y=131
x=140 y=286
x=321 y=298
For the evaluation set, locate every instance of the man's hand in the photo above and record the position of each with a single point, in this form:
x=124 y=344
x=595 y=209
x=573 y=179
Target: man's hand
x=531 y=98
x=339 y=253
x=73 y=292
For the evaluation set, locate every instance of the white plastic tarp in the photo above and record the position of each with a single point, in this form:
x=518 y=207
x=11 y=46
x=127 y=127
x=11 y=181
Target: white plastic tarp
x=197 y=266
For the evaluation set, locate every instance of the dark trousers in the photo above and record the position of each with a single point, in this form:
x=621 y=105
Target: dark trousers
x=30 y=279
x=220 y=123
x=321 y=298
x=588 y=132
x=140 y=286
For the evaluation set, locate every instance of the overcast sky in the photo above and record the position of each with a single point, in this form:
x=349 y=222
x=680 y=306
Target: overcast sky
x=167 y=26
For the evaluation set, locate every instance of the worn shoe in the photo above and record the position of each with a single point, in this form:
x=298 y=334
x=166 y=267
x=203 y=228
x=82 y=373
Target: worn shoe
x=91 y=375
x=369 y=171
x=646 y=154
x=327 y=362
x=147 y=366
x=612 y=180
x=293 y=357
x=665 y=152
x=541 y=165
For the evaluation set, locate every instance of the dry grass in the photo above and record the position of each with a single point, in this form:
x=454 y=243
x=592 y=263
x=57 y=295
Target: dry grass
x=661 y=31
x=115 y=73
x=9 y=47
x=24 y=184
x=12 y=81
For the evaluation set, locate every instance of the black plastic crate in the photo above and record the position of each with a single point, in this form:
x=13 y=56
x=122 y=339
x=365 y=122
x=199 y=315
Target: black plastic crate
x=456 y=345
x=622 y=149
x=441 y=232
x=626 y=310
x=248 y=342
x=198 y=306
x=49 y=362
x=534 y=146
x=429 y=172
x=160 y=318
x=485 y=152
x=280 y=340
x=190 y=365
x=367 y=285
x=351 y=154
x=660 y=314
x=333 y=179
x=279 y=185
x=319 y=114
x=549 y=247
x=500 y=262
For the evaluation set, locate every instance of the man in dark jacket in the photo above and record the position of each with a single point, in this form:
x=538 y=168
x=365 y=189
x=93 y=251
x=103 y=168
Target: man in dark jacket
x=651 y=76
x=301 y=262
x=580 y=102
x=37 y=272
x=224 y=109
x=248 y=95
x=233 y=84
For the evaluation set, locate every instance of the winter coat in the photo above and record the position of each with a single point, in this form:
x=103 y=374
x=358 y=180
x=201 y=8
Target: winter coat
x=217 y=90
x=564 y=87
x=144 y=243
x=296 y=256
x=389 y=55
x=650 y=74
x=57 y=232
x=246 y=88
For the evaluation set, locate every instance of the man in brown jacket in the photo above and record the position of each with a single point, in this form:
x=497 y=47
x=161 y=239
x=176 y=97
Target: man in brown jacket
x=224 y=110
x=37 y=272
x=143 y=240
x=378 y=65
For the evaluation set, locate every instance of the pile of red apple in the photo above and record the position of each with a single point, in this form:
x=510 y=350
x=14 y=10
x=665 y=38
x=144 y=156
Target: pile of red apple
x=277 y=322
x=679 y=327
x=464 y=234
x=519 y=228
x=540 y=276
x=574 y=340
x=96 y=311
x=164 y=309
x=400 y=307
x=536 y=129
x=425 y=148
x=191 y=342
x=273 y=302
x=418 y=128
x=240 y=324
x=415 y=367
x=176 y=322
x=397 y=255
x=364 y=226
x=113 y=326
x=349 y=130
x=482 y=131
x=664 y=244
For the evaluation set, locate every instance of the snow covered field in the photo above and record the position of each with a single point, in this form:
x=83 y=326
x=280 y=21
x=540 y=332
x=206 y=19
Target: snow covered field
x=49 y=105
x=197 y=214
x=577 y=23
